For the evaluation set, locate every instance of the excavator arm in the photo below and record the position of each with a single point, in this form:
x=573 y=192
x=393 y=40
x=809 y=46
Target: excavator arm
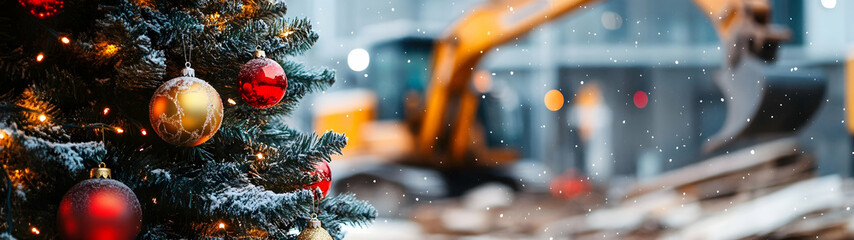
x=458 y=52
x=742 y=25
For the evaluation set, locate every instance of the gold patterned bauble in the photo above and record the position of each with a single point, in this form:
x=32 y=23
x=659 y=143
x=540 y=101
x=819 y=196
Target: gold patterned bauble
x=314 y=231
x=185 y=111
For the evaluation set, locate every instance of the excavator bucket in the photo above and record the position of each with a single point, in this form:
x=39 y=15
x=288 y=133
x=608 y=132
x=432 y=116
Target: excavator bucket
x=764 y=101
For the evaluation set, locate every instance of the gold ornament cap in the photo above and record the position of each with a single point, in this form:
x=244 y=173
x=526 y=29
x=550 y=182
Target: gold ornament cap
x=259 y=53
x=188 y=71
x=313 y=223
x=101 y=171
x=313 y=231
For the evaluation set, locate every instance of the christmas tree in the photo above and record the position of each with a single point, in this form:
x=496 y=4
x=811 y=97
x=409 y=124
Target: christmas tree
x=77 y=82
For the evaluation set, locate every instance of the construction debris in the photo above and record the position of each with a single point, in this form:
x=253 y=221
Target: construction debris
x=767 y=191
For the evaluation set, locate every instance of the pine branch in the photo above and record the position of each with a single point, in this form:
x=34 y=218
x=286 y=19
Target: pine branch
x=296 y=33
x=345 y=209
x=287 y=168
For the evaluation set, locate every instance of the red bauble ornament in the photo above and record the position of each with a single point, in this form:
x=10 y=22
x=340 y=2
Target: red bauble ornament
x=262 y=82
x=99 y=209
x=42 y=8
x=325 y=177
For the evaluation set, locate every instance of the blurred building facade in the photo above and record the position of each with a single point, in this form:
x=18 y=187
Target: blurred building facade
x=664 y=48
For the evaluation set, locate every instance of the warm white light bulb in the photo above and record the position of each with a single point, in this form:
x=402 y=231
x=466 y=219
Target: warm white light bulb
x=829 y=4
x=358 y=59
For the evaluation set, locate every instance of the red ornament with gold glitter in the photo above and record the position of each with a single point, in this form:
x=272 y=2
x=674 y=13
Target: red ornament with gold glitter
x=42 y=8
x=99 y=209
x=324 y=177
x=262 y=82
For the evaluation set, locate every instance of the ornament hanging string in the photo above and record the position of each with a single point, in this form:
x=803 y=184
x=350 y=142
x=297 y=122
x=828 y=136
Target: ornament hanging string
x=257 y=44
x=103 y=142
x=314 y=201
x=315 y=207
x=188 y=51
x=258 y=52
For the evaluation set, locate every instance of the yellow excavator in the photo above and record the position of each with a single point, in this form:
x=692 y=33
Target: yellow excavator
x=440 y=131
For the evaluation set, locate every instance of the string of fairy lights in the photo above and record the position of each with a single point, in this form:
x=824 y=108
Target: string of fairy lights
x=107 y=49
x=44 y=118
x=41 y=117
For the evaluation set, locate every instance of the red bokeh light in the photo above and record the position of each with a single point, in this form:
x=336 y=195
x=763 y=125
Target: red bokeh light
x=640 y=99
x=569 y=184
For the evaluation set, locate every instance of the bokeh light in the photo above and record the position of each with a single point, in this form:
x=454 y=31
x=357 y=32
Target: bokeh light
x=482 y=81
x=553 y=100
x=109 y=50
x=611 y=20
x=829 y=4
x=358 y=59
x=640 y=99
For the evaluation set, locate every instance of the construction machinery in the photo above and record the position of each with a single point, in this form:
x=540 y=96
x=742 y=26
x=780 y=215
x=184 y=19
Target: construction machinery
x=440 y=132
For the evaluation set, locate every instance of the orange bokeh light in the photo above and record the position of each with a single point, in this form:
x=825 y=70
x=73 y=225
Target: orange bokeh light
x=482 y=81
x=553 y=100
